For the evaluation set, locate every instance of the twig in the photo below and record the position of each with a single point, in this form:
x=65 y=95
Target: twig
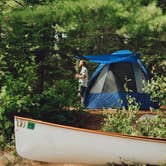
x=19 y=3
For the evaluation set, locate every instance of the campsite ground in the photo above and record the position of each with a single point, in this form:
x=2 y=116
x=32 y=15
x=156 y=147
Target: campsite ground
x=9 y=158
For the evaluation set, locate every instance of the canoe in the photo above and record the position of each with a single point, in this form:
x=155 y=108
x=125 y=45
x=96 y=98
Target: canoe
x=43 y=141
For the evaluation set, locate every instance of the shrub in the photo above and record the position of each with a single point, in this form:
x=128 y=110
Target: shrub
x=16 y=98
x=156 y=87
x=154 y=126
x=128 y=122
x=121 y=121
x=58 y=96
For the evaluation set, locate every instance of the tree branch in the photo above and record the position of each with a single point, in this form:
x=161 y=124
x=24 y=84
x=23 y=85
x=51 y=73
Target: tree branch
x=19 y=3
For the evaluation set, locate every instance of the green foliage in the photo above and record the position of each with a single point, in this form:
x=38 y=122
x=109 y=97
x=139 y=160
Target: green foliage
x=40 y=38
x=2 y=142
x=156 y=87
x=153 y=126
x=37 y=2
x=128 y=122
x=122 y=120
x=62 y=94
x=162 y=5
x=77 y=27
x=15 y=98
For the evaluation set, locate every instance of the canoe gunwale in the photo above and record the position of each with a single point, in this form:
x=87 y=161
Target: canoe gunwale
x=140 y=138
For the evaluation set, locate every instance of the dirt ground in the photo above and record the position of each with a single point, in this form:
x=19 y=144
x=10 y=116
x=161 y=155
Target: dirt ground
x=11 y=159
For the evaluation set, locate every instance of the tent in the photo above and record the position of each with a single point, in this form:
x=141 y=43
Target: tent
x=118 y=75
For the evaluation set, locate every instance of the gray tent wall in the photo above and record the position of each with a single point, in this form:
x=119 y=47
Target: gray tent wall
x=107 y=80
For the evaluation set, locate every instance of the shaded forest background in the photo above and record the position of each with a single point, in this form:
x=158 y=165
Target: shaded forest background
x=40 y=38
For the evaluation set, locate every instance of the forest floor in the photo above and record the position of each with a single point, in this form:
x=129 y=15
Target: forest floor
x=10 y=158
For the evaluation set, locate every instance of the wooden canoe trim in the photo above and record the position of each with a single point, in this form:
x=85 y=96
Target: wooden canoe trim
x=141 y=138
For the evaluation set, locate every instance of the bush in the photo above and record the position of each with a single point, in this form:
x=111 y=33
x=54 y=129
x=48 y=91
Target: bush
x=154 y=126
x=128 y=122
x=156 y=87
x=16 y=98
x=61 y=94
x=121 y=121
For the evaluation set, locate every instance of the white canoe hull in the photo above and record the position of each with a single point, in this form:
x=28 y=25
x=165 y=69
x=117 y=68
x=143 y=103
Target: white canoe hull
x=41 y=141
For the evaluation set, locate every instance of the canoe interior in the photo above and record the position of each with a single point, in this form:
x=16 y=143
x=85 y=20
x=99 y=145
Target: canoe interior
x=161 y=140
x=87 y=119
